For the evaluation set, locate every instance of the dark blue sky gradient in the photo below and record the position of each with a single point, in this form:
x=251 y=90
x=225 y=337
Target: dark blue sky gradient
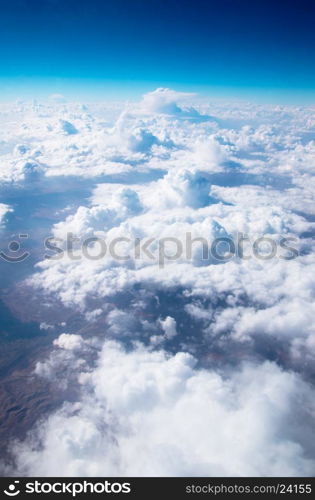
x=224 y=44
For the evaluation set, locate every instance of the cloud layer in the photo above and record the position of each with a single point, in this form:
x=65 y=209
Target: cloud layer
x=196 y=366
x=148 y=413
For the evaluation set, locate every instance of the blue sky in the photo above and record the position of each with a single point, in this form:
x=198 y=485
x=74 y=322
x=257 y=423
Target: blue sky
x=100 y=48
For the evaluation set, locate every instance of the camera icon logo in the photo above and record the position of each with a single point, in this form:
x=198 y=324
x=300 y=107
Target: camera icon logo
x=13 y=491
x=14 y=247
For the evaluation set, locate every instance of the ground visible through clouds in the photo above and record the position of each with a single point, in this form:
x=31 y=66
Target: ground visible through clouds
x=193 y=365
